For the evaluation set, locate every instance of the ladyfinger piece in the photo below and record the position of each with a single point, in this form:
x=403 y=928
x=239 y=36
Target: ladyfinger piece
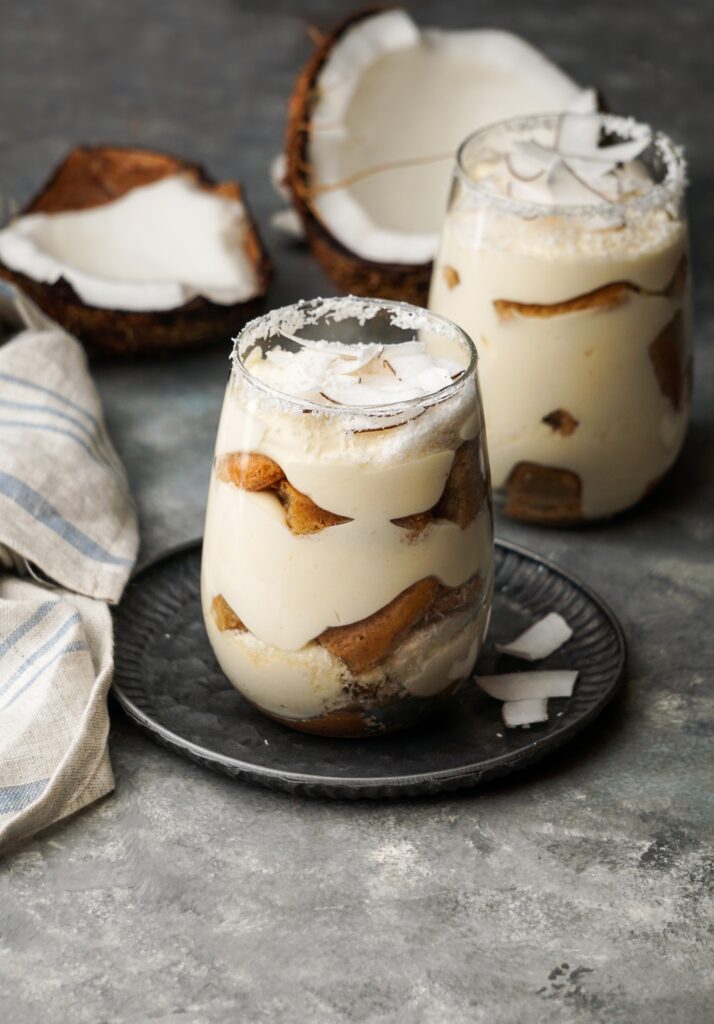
x=248 y=470
x=302 y=514
x=224 y=615
x=543 y=494
x=364 y=644
x=465 y=488
x=456 y=599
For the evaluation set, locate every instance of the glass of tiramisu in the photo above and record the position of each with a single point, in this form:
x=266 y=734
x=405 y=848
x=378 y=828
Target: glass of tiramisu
x=564 y=256
x=348 y=555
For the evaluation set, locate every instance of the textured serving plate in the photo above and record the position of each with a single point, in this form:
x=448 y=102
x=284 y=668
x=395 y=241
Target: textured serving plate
x=169 y=682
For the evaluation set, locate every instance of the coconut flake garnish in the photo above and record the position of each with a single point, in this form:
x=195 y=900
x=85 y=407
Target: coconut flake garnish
x=578 y=134
x=578 y=169
x=517 y=686
x=359 y=374
x=524 y=712
x=540 y=640
x=584 y=103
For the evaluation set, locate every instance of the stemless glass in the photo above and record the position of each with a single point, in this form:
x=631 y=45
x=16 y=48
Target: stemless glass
x=582 y=320
x=347 y=567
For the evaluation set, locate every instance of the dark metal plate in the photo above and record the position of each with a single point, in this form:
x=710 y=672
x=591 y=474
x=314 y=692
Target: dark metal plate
x=168 y=681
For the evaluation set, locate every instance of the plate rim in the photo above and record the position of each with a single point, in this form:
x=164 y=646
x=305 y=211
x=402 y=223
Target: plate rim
x=361 y=785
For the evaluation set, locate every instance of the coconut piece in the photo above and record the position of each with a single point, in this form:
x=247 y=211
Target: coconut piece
x=567 y=189
x=535 y=191
x=133 y=250
x=588 y=170
x=278 y=173
x=522 y=167
x=369 y=179
x=540 y=640
x=524 y=713
x=622 y=152
x=578 y=134
x=518 y=686
x=345 y=391
x=529 y=159
x=586 y=102
x=287 y=222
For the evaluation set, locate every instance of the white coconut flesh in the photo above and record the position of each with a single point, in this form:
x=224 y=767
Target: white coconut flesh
x=155 y=248
x=391 y=96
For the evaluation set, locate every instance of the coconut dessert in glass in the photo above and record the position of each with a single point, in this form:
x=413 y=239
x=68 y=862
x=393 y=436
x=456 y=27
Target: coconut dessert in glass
x=347 y=565
x=564 y=255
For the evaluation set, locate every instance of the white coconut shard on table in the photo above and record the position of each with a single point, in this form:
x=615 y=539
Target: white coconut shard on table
x=523 y=713
x=393 y=103
x=155 y=248
x=540 y=640
x=288 y=222
x=278 y=172
x=518 y=686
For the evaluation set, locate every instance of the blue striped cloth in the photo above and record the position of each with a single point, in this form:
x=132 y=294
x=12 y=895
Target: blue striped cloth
x=68 y=526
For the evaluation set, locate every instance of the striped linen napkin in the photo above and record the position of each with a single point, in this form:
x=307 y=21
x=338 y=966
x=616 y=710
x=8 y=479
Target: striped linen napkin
x=67 y=526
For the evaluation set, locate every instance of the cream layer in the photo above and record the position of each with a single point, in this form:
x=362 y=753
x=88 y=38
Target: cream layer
x=288 y=589
x=312 y=681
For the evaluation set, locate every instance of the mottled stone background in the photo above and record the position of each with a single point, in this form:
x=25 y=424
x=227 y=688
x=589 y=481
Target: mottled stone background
x=582 y=893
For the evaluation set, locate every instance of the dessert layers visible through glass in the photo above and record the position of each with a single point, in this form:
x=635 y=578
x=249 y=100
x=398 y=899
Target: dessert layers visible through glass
x=348 y=554
x=564 y=256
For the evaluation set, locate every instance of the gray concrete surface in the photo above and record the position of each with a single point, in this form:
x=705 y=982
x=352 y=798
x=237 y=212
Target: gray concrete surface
x=582 y=893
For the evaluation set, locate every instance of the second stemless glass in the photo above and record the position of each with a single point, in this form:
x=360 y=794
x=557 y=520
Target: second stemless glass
x=582 y=319
x=348 y=555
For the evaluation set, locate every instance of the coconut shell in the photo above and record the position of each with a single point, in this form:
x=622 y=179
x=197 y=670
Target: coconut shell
x=92 y=176
x=406 y=281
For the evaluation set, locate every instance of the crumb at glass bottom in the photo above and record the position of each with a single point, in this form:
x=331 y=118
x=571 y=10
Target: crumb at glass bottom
x=348 y=555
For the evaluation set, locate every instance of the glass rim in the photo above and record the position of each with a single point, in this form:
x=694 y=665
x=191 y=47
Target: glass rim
x=323 y=307
x=670 y=189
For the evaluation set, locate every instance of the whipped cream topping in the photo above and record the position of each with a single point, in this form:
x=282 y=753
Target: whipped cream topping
x=362 y=374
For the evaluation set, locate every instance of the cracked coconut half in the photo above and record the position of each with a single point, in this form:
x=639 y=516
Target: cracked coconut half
x=132 y=250
x=373 y=128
